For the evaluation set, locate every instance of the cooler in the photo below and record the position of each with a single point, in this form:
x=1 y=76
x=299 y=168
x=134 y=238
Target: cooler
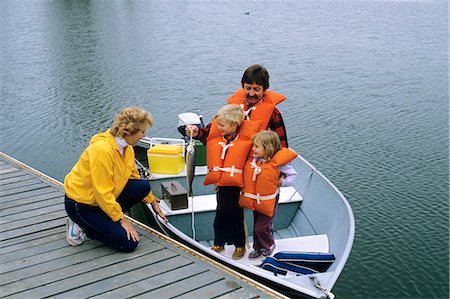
x=166 y=158
x=200 y=154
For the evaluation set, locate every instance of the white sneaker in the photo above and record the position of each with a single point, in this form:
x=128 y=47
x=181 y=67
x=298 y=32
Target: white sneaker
x=74 y=234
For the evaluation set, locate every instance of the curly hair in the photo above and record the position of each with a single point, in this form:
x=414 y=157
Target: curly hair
x=269 y=141
x=131 y=120
x=231 y=113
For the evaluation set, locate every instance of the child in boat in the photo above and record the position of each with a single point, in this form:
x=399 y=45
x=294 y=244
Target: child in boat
x=228 y=144
x=264 y=173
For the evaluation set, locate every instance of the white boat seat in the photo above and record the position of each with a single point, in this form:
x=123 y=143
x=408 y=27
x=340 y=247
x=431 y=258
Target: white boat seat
x=205 y=203
x=314 y=243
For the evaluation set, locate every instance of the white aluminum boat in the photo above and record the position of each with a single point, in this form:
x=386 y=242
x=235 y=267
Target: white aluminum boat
x=312 y=217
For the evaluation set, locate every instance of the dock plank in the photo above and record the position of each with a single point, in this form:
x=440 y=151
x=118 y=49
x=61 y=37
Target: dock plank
x=28 y=214
x=37 y=262
x=15 y=187
x=163 y=283
x=158 y=265
x=36 y=185
x=32 y=199
x=25 y=195
x=183 y=286
x=20 y=178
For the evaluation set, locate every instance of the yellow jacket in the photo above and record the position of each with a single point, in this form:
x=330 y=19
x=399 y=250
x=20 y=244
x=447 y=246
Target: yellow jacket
x=100 y=175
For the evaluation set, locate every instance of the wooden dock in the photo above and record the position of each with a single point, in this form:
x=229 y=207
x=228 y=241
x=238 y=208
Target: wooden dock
x=37 y=262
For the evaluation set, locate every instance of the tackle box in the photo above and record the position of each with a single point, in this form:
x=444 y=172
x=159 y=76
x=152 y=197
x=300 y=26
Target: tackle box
x=175 y=195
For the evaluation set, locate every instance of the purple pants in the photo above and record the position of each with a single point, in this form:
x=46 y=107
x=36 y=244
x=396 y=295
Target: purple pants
x=262 y=229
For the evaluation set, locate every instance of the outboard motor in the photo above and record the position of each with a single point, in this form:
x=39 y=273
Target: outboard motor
x=189 y=118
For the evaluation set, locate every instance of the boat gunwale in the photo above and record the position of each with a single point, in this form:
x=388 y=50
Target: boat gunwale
x=351 y=233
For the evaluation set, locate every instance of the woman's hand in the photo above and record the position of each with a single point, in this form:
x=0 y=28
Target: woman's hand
x=128 y=227
x=158 y=211
x=191 y=130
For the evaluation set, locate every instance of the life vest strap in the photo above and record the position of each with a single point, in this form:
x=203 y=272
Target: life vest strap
x=225 y=147
x=247 y=112
x=256 y=169
x=232 y=170
x=258 y=197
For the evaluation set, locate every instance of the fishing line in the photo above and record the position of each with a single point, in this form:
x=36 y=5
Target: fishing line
x=192 y=195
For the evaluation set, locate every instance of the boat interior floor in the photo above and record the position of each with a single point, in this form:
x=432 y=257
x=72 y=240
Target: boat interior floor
x=315 y=243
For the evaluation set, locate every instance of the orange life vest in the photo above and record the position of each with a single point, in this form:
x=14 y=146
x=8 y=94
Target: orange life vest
x=226 y=161
x=261 y=182
x=262 y=110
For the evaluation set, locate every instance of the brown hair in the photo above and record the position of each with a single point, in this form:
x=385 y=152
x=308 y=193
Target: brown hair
x=131 y=120
x=256 y=74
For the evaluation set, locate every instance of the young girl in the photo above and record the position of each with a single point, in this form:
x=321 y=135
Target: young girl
x=263 y=176
x=228 y=144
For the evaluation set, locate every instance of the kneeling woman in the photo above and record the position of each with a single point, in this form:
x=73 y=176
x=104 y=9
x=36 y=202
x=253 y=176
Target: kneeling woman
x=105 y=183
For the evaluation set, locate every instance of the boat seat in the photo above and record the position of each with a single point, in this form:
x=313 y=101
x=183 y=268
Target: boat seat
x=206 y=203
x=314 y=243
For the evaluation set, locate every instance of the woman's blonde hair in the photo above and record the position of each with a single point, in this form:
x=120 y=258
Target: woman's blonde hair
x=131 y=120
x=269 y=141
x=232 y=113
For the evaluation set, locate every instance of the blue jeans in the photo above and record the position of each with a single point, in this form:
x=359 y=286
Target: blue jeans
x=99 y=226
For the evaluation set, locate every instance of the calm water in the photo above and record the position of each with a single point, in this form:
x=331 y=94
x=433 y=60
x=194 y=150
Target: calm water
x=367 y=88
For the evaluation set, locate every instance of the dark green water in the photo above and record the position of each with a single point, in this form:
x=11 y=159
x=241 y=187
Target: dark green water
x=367 y=88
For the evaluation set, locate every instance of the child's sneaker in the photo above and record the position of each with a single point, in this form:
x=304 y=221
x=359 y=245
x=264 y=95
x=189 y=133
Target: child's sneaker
x=74 y=234
x=254 y=254
x=267 y=252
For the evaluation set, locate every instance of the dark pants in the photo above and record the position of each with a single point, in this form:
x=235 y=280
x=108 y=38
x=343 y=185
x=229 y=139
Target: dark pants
x=229 y=221
x=99 y=226
x=262 y=229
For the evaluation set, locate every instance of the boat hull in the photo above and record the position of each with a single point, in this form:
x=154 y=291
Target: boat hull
x=315 y=216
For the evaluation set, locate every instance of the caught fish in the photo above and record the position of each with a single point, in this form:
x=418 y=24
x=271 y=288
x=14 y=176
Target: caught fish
x=190 y=165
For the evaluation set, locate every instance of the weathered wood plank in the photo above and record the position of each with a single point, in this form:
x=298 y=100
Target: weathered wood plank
x=20 y=183
x=182 y=286
x=25 y=217
x=213 y=290
x=20 y=178
x=24 y=207
x=68 y=286
x=240 y=293
x=17 y=190
x=46 y=215
x=65 y=251
x=160 y=268
x=32 y=251
x=163 y=282
x=32 y=229
x=28 y=194
x=4 y=165
x=30 y=239
x=6 y=171
x=46 y=199
x=78 y=263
